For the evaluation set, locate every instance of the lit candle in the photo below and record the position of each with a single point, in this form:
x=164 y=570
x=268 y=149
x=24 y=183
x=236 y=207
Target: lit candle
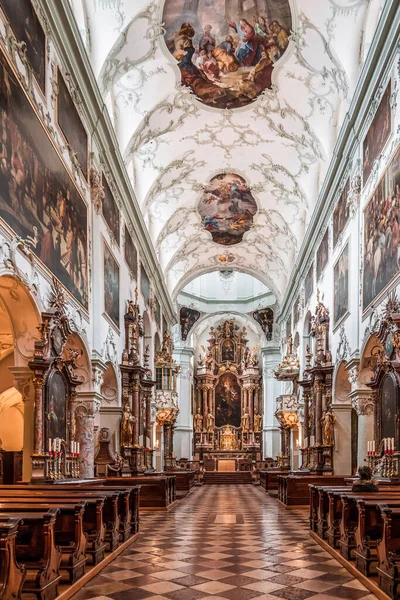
x=392 y=445
x=77 y=447
x=54 y=445
x=384 y=444
x=49 y=445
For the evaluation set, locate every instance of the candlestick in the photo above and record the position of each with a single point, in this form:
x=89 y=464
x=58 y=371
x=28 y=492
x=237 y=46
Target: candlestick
x=49 y=445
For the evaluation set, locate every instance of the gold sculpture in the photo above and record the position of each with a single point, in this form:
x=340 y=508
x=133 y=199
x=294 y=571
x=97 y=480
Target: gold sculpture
x=210 y=423
x=198 y=421
x=257 y=421
x=245 y=422
x=127 y=426
x=328 y=422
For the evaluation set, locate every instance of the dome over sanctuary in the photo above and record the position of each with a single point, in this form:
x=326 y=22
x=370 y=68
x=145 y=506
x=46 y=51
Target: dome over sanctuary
x=199 y=299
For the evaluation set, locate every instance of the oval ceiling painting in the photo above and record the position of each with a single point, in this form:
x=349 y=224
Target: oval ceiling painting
x=226 y=49
x=227 y=209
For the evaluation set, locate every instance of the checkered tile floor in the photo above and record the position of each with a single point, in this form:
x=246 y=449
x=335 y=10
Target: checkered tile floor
x=225 y=543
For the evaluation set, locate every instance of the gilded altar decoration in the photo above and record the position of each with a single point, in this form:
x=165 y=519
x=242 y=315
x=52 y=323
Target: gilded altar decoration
x=210 y=423
x=328 y=423
x=198 y=421
x=290 y=366
x=257 y=421
x=245 y=422
x=226 y=51
x=227 y=439
x=127 y=422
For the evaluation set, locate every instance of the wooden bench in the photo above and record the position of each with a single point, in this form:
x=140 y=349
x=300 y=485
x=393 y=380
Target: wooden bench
x=388 y=550
x=35 y=548
x=293 y=490
x=269 y=479
x=157 y=492
x=184 y=482
x=12 y=574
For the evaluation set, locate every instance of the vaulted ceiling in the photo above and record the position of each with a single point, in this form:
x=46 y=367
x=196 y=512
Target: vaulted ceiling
x=280 y=143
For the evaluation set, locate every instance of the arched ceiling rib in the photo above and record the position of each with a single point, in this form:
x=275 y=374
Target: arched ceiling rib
x=280 y=144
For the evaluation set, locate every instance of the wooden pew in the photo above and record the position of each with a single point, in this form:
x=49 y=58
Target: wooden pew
x=388 y=550
x=293 y=490
x=157 y=492
x=36 y=549
x=184 y=482
x=12 y=574
x=69 y=535
x=269 y=479
x=93 y=525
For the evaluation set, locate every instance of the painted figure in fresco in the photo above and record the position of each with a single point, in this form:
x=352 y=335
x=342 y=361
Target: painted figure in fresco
x=198 y=421
x=248 y=51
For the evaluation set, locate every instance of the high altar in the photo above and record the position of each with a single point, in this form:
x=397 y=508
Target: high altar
x=228 y=419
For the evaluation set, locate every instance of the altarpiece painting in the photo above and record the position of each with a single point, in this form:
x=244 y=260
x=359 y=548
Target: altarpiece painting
x=226 y=51
x=56 y=405
x=227 y=401
x=38 y=198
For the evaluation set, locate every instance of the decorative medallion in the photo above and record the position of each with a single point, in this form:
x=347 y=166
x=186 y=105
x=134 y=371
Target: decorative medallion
x=227 y=208
x=226 y=51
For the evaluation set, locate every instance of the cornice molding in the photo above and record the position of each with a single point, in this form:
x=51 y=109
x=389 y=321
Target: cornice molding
x=73 y=57
x=378 y=64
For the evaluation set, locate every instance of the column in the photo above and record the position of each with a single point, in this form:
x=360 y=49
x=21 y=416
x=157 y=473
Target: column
x=168 y=445
x=148 y=419
x=245 y=405
x=306 y=425
x=363 y=401
x=86 y=405
x=251 y=407
x=23 y=381
x=210 y=400
x=271 y=358
x=205 y=404
x=38 y=415
x=184 y=425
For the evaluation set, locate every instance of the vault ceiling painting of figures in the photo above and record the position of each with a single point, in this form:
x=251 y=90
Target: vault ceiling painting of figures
x=175 y=142
x=225 y=50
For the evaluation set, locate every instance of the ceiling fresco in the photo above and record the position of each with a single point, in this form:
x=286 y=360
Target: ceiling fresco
x=227 y=208
x=226 y=50
x=174 y=140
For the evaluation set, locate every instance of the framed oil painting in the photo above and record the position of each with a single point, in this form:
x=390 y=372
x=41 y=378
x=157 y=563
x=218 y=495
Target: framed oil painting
x=157 y=312
x=71 y=125
x=111 y=286
x=226 y=51
x=111 y=211
x=341 y=287
x=323 y=254
x=341 y=214
x=227 y=208
x=288 y=327
x=309 y=284
x=378 y=133
x=381 y=259
x=144 y=284
x=56 y=405
x=27 y=28
x=296 y=311
x=188 y=317
x=38 y=198
x=228 y=401
x=131 y=255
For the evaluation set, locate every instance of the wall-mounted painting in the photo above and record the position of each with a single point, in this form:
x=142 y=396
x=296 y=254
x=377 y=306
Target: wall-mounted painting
x=265 y=318
x=131 y=255
x=157 y=312
x=71 y=125
x=341 y=287
x=296 y=311
x=288 y=327
x=27 y=28
x=323 y=254
x=227 y=351
x=111 y=211
x=111 y=286
x=341 y=214
x=381 y=260
x=164 y=325
x=38 y=198
x=226 y=51
x=309 y=284
x=227 y=401
x=227 y=208
x=378 y=133
x=188 y=317
x=144 y=284
x=56 y=406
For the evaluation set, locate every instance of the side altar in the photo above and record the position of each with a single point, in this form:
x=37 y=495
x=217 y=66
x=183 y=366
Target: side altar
x=228 y=418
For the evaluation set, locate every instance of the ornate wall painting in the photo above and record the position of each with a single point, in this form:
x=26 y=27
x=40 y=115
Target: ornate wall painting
x=188 y=317
x=296 y=311
x=309 y=284
x=157 y=312
x=381 y=259
x=226 y=51
x=56 y=406
x=111 y=286
x=164 y=325
x=388 y=406
x=27 y=28
x=341 y=214
x=144 y=284
x=38 y=198
x=227 y=208
x=131 y=255
x=228 y=351
x=323 y=254
x=265 y=318
x=288 y=327
x=228 y=401
x=71 y=125
x=378 y=133
x=341 y=287
x=111 y=211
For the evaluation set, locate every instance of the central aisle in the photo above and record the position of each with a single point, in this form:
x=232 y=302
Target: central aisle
x=226 y=543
